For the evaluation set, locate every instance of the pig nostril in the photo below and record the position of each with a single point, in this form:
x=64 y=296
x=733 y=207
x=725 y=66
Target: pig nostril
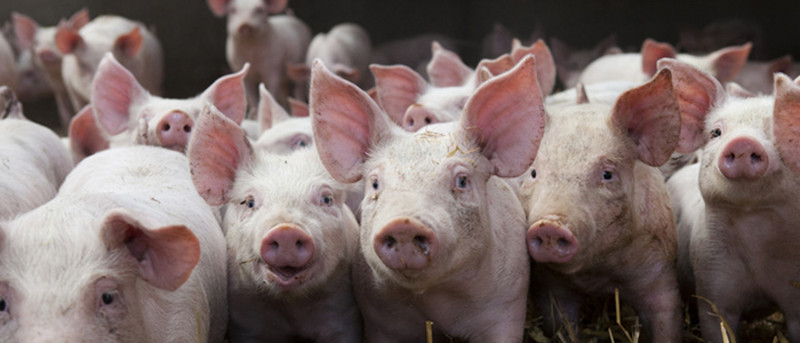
x=274 y=245
x=562 y=243
x=299 y=244
x=537 y=241
x=390 y=241
x=166 y=127
x=427 y=120
x=755 y=157
x=411 y=122
x=187 y=128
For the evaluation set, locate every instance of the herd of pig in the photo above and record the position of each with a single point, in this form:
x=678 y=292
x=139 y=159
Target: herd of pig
x=458 y=199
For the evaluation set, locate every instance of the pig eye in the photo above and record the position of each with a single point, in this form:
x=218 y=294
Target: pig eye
x=716 y=133
x=326 y=199
x=107 y=298
x=462 y=182
x=3 y=305
x=607 y=175
x=533 y=173
x=249 y=202
x=375 y=184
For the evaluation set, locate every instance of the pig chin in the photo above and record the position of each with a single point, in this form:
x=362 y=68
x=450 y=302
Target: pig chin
x=283 y=280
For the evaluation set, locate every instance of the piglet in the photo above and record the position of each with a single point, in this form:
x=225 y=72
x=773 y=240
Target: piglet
x=442 y=235
x=280 y=132
x=598 y=213
x=8 y=69
x=126 y=252
x=131 y=43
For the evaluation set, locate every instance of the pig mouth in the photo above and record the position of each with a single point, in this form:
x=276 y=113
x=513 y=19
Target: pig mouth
x=287 y=276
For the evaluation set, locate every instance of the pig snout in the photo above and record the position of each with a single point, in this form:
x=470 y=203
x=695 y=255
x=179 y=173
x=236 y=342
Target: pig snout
x=287 y=250
x=406 y=244
x=743 y=158
x=416 y=117
x=48 y=56
x=245 y=30
x=174 y=130
x=551 y=242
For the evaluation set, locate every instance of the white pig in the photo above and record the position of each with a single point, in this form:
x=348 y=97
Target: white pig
x=291 y=239
x=127 y=251
x=267 y=41
x=442 y=235
x=129 y=41
x=598 y=212
x=40 y=42
x=281 y=133
x=33 y=162
x=129 y=114
x=346 y=49
x=740 y=205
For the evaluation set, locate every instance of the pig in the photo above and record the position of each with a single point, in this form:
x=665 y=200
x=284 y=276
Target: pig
x=570 y=61
x=40 y=43
x=290 y=237
x=725 y=63
x=8 y=70
x=346 y=49
x=129 y=114
x=411 y=51
x=746 y=178
x=129 y=41
x=267 y=41
x=442 y=234
x=33 y=162
x=598 y=212
x=757 y=77
x=281 y=133
x=127 y=251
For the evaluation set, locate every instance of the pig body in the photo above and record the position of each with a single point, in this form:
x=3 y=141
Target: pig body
x=131 y=43
x=8 y=71
x=452 y=252
x=598 y=211
x=127 y=251
x=291 y=239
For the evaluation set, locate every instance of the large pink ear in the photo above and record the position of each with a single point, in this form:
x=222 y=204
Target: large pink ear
x=218 y=148
x=397 y=88
x=79 y=19
x=545 y=65
x=85 y=136
x=228 y=95
x=445 y=68
x=728 y=62
x=650 y=116
x=269 y=111
x=130 y=43
x=698 y=93
x=276 y=6
x=298 y=108
x=219 y=7
x=505 y=116
x=786 y=117
x=25 y=29
x=114 y=90
x=165 y=255
x=653 y=51
x=345 y=122
x=67 y=39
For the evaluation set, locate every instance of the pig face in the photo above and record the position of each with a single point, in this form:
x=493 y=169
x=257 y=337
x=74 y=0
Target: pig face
x=246 y=18
x=140 y=118
x=281 y=133
x=41 y=41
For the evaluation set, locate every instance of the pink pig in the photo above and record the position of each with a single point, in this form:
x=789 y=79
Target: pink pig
x=442 y=235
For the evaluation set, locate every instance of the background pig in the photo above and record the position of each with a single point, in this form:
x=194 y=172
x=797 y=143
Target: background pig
x=412 y=52
x=346 y=49
x=570 y=62
x=33 y=162
x=291 y=239
x=128 y=112
x=281 y=133
x=740 y=204
x=118 y=255
x=267 y=41
x=441 y=234
x=757 y=77
x=129 y=41
x=40 y=42
x=598 y=211
x=724 y=63
x=8 y=71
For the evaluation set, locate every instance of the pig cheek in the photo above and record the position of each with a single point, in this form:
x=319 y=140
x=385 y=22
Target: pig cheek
x=112 y=310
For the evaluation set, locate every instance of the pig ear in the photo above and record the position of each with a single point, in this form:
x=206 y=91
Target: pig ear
x=345 y=122
x=10 y=107
x=25 y=29
x=130 y=43
x=734 y=89
x=505 y=117
x=653 y=51
x=397 y=88
x=219 y=7
x=165 y=255
x=269 y=111
x=85 y=136
x=483 y=75
x=67 y=39
x=649 y=114
x=728 y=62
x=580 y=91
x=445 y=68
x=781 y=65
x=545 y=65
x=217 y=148
x=79 y=19
x=698 y=93
x=786 y=115
x=299 y=109
x=276 y=6
x=228 y=95
x=496 y=66
x=114 y=89
x=298 y=72
x=348 y=73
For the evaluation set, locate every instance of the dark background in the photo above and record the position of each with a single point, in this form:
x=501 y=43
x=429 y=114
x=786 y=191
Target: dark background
x=194 y=40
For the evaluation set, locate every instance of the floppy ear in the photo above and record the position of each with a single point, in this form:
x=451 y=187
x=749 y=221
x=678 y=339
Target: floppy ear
x=165 y=255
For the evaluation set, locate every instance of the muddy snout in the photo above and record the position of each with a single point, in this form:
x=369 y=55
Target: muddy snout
x=551 y=242
x=406 y=244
